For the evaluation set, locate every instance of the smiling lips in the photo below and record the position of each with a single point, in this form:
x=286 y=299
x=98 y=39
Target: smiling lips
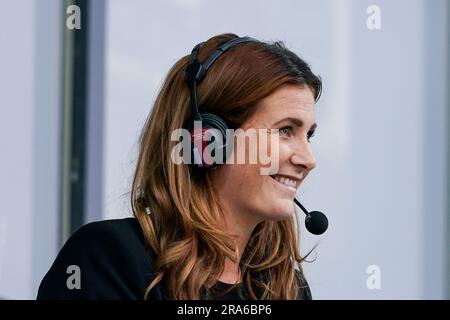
x=289 y=181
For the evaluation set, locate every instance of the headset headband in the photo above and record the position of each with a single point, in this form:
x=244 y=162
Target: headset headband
x=196 y=71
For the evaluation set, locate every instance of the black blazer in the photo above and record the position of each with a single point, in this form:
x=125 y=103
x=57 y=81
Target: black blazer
x=112 y=261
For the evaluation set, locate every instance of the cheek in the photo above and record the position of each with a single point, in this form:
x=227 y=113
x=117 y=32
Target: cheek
x=245 y=182
x=284 y=152
x=248 y=176
x=255 y=193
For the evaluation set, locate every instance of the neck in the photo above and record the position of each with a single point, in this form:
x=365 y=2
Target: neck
x=241 y=226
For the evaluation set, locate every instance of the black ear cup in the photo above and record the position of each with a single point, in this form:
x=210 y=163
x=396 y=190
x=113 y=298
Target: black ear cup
x=212 y=129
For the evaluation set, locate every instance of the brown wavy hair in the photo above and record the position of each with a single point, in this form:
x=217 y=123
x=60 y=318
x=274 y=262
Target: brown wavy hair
x=178 y=209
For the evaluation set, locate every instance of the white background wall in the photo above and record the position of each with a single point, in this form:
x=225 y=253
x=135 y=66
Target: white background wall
x=381 y=139
x=380 y=144
x=29 y=142
x=16 y=143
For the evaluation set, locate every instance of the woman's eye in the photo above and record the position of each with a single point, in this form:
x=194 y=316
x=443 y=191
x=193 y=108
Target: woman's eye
x=286 y=130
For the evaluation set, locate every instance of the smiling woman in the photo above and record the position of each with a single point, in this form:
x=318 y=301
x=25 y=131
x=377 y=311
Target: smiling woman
x=208 y=232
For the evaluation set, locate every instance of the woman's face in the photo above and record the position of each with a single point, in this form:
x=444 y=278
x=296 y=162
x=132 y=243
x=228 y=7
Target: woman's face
x=256 y=197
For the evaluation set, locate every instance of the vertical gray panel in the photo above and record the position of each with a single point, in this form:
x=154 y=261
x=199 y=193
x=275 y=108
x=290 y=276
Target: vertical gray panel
x=435 y=141
x=95 y=111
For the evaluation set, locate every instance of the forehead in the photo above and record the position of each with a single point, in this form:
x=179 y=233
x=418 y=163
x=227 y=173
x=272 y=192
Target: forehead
x=287 y=101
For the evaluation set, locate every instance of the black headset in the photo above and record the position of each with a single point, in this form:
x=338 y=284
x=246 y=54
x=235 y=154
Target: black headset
x=195 y=73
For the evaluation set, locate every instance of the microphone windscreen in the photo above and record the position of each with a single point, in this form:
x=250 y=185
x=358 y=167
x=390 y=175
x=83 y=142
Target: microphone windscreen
x=316 y=222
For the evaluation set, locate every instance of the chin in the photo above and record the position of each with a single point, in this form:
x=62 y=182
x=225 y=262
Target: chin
x=282 y=211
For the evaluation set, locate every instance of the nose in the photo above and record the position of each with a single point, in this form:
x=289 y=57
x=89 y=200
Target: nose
x=302 y=155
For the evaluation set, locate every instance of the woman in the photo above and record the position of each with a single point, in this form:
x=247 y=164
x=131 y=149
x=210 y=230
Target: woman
x=200 y=231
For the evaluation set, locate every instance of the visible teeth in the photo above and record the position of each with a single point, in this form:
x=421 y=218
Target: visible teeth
x=286 y=181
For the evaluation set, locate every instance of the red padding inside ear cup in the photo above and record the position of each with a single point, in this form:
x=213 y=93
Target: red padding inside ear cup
x=199 y=140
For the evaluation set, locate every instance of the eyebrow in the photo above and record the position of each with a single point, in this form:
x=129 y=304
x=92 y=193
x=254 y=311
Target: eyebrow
x=297 y=122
